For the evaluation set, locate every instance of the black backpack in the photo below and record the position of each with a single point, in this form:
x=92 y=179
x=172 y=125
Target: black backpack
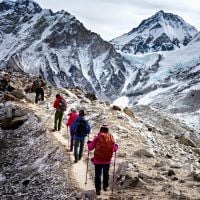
x=81 y=128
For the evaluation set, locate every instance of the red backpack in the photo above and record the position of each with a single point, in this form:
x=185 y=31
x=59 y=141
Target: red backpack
x=104 y=147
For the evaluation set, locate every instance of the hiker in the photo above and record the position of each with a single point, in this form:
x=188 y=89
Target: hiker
x=60 y=105
x=104 y=145
x=37 y=87
x=73 y=115
x=80 y=129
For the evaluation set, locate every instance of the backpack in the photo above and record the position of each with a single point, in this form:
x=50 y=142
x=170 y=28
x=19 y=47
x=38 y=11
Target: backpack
x=104 y=147
x=81 y=128
x=36 y=84
x=63 y=105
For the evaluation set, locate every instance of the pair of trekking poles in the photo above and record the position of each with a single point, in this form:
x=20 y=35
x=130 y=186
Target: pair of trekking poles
x=113 y=179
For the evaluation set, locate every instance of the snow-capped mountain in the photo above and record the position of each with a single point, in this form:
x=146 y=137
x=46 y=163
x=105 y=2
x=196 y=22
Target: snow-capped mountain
x=161 y=32
x=169 y=81
x=59 y=47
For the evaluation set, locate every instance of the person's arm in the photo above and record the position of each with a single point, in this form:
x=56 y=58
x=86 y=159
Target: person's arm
x=69 y=121
x=56 y=103
x=88 y=128
x=92 y=144
x=73 y=127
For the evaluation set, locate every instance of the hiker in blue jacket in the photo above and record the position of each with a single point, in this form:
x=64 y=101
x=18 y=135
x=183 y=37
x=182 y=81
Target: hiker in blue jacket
x=80 y=129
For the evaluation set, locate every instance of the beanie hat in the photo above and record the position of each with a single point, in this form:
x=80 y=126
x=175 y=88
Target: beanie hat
x=104 y=128
x=73 y=110
x=81 y=113
x=57 y=95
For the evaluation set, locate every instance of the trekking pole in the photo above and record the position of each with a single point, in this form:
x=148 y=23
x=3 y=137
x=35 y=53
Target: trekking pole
x=87 y=163
x=114 y=172
x=87 y=166
x=68 y=142
x=48 y=117
x=68 y=137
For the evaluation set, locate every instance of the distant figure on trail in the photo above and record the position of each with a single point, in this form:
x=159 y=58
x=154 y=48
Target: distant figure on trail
x=80 y=129
x=73 y=115
x=104 y=145
x=37 y=87
x=60 y=105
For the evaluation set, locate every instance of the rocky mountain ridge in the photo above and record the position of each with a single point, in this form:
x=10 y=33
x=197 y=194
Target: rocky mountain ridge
x=153 y=162
x=161 y=32
x=58 y=47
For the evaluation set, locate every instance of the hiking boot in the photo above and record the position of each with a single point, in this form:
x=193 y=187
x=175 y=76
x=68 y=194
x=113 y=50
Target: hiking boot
x=105 y=189
x=75 y=161
x=54 y=130
x=98 y=192
x=59 y=129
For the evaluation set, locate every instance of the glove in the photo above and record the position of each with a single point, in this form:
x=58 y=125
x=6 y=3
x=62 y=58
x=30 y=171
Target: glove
x=88 y=142
x=115 y=147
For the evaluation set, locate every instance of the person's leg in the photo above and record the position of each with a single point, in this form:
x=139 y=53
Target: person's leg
x=42 y=94
x=71 y=142
x=56 y=120
x=106 y=176
x=98 y=171
x=76 y=145
x=81 y=149
x=37 y=95
x=60 y=119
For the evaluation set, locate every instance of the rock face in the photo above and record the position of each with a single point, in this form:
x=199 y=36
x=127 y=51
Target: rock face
x=161 y=32
x=58 y=47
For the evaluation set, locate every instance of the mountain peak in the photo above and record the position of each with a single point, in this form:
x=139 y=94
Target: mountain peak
x=160 y=32
x=160 y=12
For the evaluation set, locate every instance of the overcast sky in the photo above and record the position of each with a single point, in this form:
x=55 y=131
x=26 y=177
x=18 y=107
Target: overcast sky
x=112 y=18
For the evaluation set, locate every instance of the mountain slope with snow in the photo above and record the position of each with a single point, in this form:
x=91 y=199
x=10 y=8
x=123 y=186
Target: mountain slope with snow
x=59 y=47
x=169 y=81
x=161 y=32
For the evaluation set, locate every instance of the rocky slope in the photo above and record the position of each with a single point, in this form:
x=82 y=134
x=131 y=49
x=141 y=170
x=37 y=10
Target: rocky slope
x=157 y=157
x=161 y=32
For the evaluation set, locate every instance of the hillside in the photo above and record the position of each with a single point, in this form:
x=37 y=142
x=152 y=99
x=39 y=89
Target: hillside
x=157 y=159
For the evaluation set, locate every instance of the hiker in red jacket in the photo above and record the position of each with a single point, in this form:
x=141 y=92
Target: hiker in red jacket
x=104 y=145
x=73 y=115
x=60 y=105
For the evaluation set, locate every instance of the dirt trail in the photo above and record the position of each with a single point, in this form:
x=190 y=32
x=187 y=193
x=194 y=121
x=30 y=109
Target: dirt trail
x=78 y=169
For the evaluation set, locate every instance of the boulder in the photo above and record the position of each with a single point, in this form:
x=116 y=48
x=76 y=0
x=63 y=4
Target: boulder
x=144 y=152
x=91 y=96
x=196 y=150
x=186 y=141
x=9 y=97
x=114 y=107
x=128 y=111
x=18 y=93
